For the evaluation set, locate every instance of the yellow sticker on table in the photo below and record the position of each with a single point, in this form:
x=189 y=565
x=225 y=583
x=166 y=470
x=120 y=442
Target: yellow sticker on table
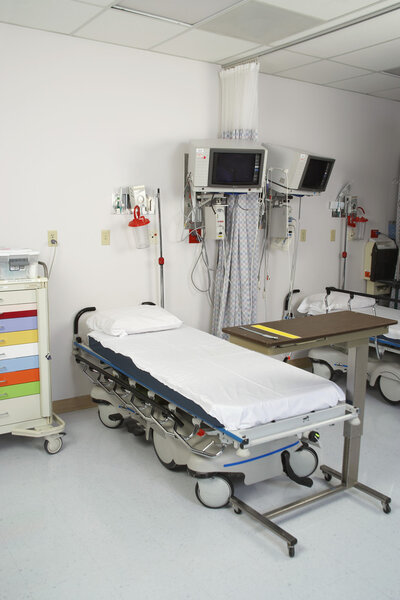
x=277 y=332
x=18 y=337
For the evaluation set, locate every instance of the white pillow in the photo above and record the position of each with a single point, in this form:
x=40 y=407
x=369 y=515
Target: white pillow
x=316 y=305
x=132 y=319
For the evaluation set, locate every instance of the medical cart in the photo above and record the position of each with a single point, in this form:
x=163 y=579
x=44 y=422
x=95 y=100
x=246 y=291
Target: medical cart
x=25 y=390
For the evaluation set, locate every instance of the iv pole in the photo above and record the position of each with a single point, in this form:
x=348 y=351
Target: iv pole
x=161 y=258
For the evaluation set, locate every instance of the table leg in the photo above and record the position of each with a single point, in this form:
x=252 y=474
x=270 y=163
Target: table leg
x=355 y=394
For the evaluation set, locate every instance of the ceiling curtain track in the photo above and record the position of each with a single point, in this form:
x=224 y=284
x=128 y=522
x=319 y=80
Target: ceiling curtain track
x=235 y=284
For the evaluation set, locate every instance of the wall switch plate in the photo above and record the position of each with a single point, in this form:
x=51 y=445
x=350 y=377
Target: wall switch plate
x=52 y=238
x=105 y=237
x=154 y=237
x=303 y=235
x=333 y=235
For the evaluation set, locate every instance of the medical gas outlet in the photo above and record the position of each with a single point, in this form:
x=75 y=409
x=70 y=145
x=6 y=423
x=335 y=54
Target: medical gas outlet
x=214 y=220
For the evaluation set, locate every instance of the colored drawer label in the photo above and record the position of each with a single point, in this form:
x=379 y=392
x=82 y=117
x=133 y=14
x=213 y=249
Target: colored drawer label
x=19 y=377
x=20 y=324
x=22 y=389
x=23 y=363
x=16 y=314
x=18 y=350
x=18 y=337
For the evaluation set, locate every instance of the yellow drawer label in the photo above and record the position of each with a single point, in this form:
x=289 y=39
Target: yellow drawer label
x=18 y=337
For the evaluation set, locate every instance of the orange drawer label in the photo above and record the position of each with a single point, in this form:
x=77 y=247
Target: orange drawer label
x=19 y=377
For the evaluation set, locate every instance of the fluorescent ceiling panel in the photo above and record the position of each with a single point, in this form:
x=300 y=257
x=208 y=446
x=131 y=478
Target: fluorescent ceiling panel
x=367 y=84
x=355 y=37
x=126 y=29
x=61 y=16
x=282 y=60
x=180 y=10
x=258 y=22
x=202 y=45
x=389 y=94
x=322 y=72
x=376 y=58
x=319 y=9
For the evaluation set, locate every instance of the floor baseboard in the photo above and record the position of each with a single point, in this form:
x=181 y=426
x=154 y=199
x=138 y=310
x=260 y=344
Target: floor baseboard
x=71 y=404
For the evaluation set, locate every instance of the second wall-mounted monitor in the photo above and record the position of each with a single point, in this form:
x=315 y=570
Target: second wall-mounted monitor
x=297 y=171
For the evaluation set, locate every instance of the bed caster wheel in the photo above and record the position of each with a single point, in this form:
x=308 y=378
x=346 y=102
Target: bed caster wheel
x=389 y=389
x=238 y=511
x=214 y=492
x=291 y=551
x=165 y=452
x=109 y=417
x=386 y=508
x=327 y=476
x=53 y=445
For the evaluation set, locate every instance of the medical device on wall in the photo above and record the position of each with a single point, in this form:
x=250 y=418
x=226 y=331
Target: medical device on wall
x=298 y=171
x=214 y=222
x=226 y=165
x=125 y=198
x=380 y=259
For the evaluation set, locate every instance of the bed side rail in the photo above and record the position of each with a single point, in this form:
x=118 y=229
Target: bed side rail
x=352 y=293
x=77 y=317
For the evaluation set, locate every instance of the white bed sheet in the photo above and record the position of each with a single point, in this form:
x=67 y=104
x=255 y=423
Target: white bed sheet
x=239 y=387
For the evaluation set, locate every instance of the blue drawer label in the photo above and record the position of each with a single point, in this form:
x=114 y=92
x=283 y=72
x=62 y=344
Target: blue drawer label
x=19 y=324
x=10 y=365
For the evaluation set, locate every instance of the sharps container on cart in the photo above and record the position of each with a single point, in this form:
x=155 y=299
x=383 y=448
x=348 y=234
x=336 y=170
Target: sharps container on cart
x=140 y=226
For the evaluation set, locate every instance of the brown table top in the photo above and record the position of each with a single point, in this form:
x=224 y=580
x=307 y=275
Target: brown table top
x=311 y=328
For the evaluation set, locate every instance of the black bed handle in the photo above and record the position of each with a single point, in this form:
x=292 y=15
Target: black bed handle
x=79 y=314
x=352 y=293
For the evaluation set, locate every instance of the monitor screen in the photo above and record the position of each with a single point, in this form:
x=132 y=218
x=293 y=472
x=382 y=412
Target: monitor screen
x=316 y=174
x=235 y=168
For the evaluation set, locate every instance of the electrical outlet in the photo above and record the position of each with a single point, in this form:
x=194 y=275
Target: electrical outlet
x=333 y=235
x=52 y=239
x=154 y=237
x=105 y=237
x=303 y=235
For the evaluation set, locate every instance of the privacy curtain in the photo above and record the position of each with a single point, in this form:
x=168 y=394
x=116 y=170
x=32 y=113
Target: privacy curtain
x=235 y=284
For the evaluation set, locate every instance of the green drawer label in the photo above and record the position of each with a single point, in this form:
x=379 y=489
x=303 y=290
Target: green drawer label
x=21 y=389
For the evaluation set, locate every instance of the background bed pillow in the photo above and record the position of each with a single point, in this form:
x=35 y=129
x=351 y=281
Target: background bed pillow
x=315 y=304
x=133 y=319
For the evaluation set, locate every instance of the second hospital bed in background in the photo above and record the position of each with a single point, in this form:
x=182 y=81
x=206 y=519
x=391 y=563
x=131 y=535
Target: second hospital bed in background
x=383 y=361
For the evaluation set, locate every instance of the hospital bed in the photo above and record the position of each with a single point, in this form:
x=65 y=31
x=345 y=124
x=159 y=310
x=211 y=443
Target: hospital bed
x=383 y=364
x=218 y=410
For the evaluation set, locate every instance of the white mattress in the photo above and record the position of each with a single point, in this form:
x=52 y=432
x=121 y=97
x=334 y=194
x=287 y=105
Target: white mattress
x=238 y=387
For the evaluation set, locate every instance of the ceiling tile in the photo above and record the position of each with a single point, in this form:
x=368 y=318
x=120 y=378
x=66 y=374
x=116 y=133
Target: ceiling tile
x=180 y=10
x=376 y=58
x=258 y=22
x=375 y=31
x=61 y=16
x=321 y=10
x=103 y=3
x=127 y=29
x=242 y=55
x=322 y=71
x=282 y=60
x=390 y=94
x=202 y=45
x=367 y=84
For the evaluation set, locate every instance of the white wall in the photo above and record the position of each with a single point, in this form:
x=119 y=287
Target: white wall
x=79 y=118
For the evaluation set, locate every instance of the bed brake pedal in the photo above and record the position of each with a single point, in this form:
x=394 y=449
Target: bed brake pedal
x=306 y=481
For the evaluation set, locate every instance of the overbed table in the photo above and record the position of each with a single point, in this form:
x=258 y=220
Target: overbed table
x=349 y=329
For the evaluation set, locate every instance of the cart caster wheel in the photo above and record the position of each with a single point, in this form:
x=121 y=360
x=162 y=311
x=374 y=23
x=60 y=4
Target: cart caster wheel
x=386 y=508
x=214 y=492
x=291 y=551
x=327 y=476
x=238 y=511
x=53 y=445
x=109 y=417
x=165 y=453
